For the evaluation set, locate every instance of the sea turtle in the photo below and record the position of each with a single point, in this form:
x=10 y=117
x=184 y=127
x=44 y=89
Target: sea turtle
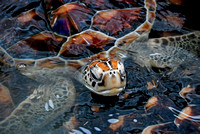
x=86 y=40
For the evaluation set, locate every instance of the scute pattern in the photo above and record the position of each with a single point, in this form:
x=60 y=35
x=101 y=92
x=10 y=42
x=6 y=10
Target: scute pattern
x=14 y=8
x=71 y=18
x=85 y=44
x=26 y=25
x=112 y=4
x=44 y=44
x=117 y=23
x=111 y=23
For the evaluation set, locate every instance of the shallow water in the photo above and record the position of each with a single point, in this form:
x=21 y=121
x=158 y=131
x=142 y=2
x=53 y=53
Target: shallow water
x=152 y=101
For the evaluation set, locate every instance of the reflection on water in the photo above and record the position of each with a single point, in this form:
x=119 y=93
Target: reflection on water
x=153 y=101
x=189 y=116
x=181 y=115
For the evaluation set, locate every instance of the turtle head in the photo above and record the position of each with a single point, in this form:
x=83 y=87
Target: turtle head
x=106 y=77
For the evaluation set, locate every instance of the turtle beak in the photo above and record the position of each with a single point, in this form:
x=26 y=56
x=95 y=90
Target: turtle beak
x=113 y=85
x=111 y=92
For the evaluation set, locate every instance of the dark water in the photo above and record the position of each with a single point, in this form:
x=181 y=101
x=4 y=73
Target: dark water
x=127 y=113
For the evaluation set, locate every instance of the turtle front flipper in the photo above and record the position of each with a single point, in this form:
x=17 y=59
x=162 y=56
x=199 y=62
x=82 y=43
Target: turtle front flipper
x=45 y=104
x=174 y=50
x=165 y=52
x=189 y=42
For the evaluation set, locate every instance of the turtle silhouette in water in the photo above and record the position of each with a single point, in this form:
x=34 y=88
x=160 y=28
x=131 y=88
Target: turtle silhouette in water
x=85 y=40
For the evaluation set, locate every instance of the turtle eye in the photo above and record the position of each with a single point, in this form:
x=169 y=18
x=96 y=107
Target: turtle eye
x=121 y=68
x=96 y=73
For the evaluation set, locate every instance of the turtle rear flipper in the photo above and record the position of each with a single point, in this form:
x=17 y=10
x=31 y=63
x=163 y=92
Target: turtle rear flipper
x=44 y=105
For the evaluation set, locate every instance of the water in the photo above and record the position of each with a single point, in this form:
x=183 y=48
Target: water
x=168 y=103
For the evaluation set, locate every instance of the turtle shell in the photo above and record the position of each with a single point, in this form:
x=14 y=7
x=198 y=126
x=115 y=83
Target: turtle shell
x=74 y=30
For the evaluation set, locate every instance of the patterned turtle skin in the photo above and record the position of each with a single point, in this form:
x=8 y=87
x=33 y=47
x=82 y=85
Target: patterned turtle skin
x=88 y=41
x=101 y=73
x=169 y=51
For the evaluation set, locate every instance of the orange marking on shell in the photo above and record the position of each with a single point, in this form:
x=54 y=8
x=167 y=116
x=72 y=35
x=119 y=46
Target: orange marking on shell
x=108 y=14
x=87 y=40
x=26 y=17
x=103 y=66
x=116 y=21
x=65 y=8
x=83 y=38
x=114 y=64
x=86 y=37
